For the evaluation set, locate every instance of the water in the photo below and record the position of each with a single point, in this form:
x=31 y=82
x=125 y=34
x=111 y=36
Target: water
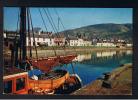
x=92 y=66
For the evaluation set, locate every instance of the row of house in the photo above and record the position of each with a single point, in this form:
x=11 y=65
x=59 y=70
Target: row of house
x=49 y=39
x=75 y=41
x=52 y=40
x=44 y=39
x=117 y=43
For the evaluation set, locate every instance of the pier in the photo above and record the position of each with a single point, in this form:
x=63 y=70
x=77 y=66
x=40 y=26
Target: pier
x=118 y=83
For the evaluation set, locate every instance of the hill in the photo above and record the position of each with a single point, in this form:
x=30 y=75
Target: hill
x=102 y=31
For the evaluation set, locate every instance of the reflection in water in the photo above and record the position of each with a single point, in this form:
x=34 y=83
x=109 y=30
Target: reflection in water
x=83 y=57
x=91 y=66
x=102 y=56
x=105 y=54
x=129 y=52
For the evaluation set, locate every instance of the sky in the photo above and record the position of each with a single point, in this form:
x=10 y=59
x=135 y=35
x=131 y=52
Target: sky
x=71 y=17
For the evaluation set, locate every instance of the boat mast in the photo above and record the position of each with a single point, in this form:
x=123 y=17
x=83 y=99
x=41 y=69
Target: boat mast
x=23 y=33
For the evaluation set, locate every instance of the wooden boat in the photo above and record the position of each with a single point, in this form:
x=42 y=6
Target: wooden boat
x=15 y=81
x=18 y=82
x=66 y=59
x=50 y=80
x=45 y=64
x=72 y=84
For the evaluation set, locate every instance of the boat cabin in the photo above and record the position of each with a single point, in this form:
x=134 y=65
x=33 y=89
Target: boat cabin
x=15 y=82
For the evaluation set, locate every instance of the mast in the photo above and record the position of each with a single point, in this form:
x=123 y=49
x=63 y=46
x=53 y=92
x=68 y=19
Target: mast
x=23 y=33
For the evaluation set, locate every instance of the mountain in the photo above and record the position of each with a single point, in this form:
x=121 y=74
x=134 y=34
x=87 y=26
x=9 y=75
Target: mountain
x=102 y=31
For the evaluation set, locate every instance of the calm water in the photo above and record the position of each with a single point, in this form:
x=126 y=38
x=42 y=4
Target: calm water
x=91 y=66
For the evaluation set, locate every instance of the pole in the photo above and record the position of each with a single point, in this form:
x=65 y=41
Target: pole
x=23 y=32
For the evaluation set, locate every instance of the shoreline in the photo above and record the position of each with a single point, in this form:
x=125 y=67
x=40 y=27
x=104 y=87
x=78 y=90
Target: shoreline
x=51 y=52
x=120 y=80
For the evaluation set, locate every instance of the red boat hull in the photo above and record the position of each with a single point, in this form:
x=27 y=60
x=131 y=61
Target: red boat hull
x=66 y=59
x=48 y=63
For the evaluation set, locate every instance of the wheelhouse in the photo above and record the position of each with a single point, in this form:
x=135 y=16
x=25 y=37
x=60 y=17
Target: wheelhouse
x=16 y=83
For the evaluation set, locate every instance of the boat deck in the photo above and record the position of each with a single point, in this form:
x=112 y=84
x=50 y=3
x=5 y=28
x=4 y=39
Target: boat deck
x=52 y=75
x=11 y=71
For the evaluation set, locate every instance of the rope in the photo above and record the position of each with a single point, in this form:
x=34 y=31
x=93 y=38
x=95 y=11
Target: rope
x=53 y=25
x=46 y=28
x=33 y=34
x=29 y=14
x=29 y=38
x=59 y=18
x=65 y=29
x=16 y=53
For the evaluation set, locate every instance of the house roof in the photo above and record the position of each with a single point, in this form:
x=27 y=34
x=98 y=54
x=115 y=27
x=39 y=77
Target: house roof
x=72 y=38
x=41 y=36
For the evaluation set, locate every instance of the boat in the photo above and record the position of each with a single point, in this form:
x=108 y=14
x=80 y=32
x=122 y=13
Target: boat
x=43 y=80
x=50 y=80
x=45 y=64
x=15 y=81
x=72 y=84
x=66 y=59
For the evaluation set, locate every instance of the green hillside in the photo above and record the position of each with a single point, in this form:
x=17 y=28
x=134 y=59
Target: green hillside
x=123 y=31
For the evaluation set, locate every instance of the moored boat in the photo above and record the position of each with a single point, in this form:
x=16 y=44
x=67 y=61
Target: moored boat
x=17 y=80
x=66 y=59
x=72 y=84
x=45 y=64
x=50 y=80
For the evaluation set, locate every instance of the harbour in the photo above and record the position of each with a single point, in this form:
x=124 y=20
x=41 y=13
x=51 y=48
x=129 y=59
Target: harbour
x=51 y=61
x=92 y=66
x=119 y=83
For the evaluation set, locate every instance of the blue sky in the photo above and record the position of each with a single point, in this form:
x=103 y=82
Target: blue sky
x=71 y=17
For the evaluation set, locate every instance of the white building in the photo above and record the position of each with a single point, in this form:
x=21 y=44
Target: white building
x=40 y=40
x=74 y=41
x=80 y=42
x=129 y=45
x=105 y=44
x=87 y=43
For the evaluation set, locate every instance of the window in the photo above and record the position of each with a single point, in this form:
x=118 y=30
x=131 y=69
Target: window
x=8 y=87
x=20 y=84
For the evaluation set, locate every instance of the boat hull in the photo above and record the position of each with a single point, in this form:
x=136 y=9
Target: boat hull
x=72 y=84
x=66 y=59
x=45 y=64
x=48 y=83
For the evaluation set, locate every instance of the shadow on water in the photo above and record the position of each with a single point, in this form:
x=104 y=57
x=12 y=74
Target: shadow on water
x=91 y=66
